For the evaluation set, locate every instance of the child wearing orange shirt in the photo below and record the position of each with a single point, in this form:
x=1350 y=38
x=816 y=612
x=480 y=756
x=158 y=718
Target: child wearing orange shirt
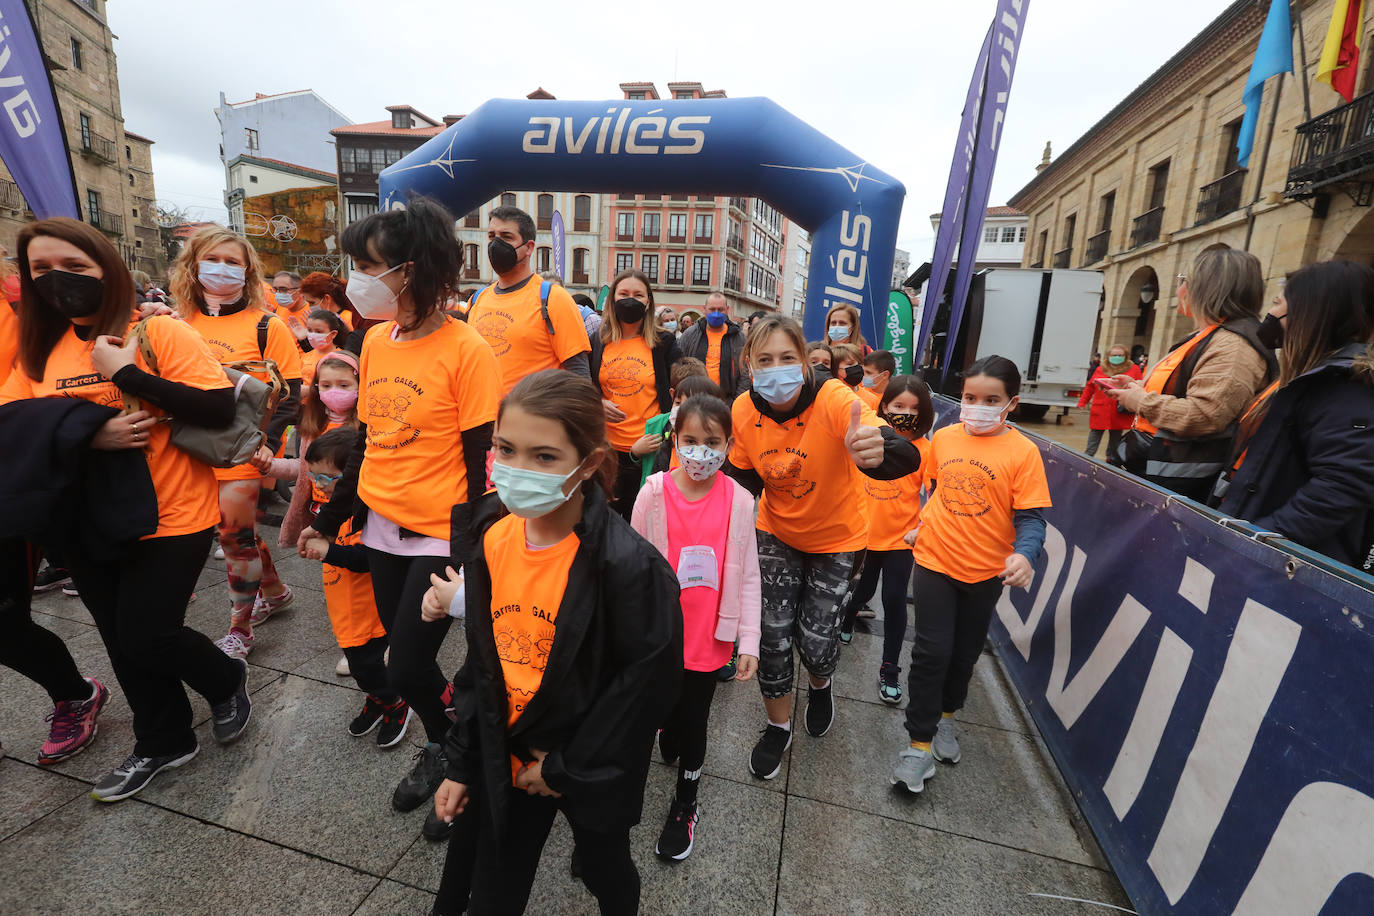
x=980 y=530
x=325 y=332
x=574 y=658
x=879 y=367
x=894 y=511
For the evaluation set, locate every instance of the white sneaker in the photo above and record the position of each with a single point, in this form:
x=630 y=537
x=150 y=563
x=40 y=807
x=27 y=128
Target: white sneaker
x=219 y=552
x=342 y=669
x=264 y=607
x=234 y=645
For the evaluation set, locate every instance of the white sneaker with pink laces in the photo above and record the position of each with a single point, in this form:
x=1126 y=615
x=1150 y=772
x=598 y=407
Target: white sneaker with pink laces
x=235 y=644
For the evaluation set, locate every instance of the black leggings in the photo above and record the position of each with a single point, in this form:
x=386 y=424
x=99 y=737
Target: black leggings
x=952 y=620
x=895 y=568
x=627 y=476
x=497 y=880
x=139 y=601
x=399 y=585
x=367 y=665
x=688 y=721
x=33 y=651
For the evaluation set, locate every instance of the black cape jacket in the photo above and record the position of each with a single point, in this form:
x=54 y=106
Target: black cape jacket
x=1309 y=468
x=613 y=675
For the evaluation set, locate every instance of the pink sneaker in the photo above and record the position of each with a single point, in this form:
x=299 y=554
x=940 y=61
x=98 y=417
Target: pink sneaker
x=264 y=607
x=235 y=644
x=73 y=725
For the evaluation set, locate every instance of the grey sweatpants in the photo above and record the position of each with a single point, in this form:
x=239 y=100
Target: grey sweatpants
x=803 y=602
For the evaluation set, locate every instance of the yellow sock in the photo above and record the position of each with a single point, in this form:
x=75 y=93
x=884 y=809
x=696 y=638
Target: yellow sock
x=946 y=715
x=921 y=745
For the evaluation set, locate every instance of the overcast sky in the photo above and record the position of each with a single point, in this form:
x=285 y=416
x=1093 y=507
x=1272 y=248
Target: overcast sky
x=885 y=79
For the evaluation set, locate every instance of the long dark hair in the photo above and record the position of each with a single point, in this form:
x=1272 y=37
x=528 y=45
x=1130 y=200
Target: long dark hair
x=610 y=323
x=40 y=327
x=1330 y=305
x=571 y=400
x=421 y=233
x=911 y=384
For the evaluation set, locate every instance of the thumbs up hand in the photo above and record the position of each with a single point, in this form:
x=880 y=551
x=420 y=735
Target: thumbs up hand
x=865 y=443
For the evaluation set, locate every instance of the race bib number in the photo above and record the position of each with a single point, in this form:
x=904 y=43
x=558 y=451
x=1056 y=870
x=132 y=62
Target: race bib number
x=697 y=567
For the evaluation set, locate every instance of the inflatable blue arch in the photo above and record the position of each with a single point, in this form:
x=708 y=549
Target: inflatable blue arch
x=740 y=147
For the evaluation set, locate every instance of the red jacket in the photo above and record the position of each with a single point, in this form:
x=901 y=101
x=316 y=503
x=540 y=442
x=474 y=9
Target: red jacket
x=1104 y=414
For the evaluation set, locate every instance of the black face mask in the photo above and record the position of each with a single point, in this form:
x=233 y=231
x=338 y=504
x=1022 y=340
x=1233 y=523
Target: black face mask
x=1270 y=332
x=71 y=295
x=502 y=255
x=629 y=310
x=902 y=422
x=853 y=375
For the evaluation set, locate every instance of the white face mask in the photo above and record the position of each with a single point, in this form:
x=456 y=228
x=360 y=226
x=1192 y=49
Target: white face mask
x=672 y=417
x=982 y=418
x=284 y=299
x=700 y=461
x=220 y=279
x=370 y=296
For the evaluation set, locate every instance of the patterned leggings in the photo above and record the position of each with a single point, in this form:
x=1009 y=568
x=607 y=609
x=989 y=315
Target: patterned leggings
x=246 y=556
x=802 y=604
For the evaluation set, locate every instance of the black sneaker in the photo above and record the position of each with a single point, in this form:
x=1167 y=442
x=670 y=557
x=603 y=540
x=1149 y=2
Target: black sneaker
x=395 y=721
x=49 y=578
x=820 y=711
x=419 y=784
x=668 y=747
x=727 y=671
x=436 y=830
x=766 y=759
x=134 y=773
x=231 y=717
x=369 y=718
x=679 y=832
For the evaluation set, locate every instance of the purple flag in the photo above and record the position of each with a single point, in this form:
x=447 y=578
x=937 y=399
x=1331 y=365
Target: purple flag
x=970 y=174
x=33 y=145
x=560 y=246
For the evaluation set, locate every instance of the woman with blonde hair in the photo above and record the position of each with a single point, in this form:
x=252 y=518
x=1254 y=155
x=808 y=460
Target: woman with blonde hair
x=1186 y=410
x=632 y=369
x=219 y=292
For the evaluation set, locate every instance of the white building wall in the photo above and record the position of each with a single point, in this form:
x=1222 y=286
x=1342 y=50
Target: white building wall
x=293 y=127
x=563 y=202
x=1010 y=234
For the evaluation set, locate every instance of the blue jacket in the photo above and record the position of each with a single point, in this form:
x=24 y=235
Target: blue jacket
x=1309 y=469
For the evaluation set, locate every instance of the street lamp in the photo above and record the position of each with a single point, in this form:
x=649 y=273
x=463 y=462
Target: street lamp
x=1148 y=292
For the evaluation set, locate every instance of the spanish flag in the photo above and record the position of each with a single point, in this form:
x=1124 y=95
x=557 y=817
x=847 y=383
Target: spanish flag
x=1341 y=54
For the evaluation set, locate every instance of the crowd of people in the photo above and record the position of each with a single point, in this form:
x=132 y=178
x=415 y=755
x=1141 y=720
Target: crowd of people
x=621 y=513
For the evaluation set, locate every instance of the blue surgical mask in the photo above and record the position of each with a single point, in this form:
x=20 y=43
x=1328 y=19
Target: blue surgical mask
x=284 y=299
x=530 y=494
x=870 y=381
x=670 y=326
x=715 y=319
x=777 y=384
x=837 y=333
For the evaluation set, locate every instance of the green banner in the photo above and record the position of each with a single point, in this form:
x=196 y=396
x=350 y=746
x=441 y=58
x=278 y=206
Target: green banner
x=898 y=338
x=601 y=298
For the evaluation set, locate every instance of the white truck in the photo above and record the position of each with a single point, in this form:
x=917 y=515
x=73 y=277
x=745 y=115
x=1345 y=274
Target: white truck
x=1042 y=320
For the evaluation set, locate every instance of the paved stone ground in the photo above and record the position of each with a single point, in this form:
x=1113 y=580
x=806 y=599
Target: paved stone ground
x=296 y=818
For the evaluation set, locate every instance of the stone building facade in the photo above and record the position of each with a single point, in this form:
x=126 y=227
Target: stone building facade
x=1156 y=181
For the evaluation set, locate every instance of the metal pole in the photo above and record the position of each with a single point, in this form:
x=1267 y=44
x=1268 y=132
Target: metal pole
x=1302 y=55
x=1264 y=158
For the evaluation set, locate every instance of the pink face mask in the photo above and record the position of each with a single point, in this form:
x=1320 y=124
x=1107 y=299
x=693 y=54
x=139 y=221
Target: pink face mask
x=339 y=400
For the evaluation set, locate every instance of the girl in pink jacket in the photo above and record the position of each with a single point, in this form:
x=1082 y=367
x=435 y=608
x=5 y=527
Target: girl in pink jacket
x=703 y=522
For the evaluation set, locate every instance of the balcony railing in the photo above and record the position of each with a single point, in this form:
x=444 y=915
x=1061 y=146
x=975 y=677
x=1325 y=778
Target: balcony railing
x=582 y=224
x=1221 y=197
x=1097 y=246
x=1145 y=228
x=92 y=144
x=1332 y=147
x=1061 y=257
x=677 y=239
x=109 y=223
x=650 y=236
x=10 y=196
x=731 y=283
x=736 y=243
x=739 y=204
x=702 y=240
x=580 y=279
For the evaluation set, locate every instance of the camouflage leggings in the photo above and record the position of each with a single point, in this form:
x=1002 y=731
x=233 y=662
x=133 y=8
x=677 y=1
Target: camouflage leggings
x=803 y=596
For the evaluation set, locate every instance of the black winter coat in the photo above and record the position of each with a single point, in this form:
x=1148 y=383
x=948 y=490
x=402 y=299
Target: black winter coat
x=664 y=355
x=1309 y=468
x=613 y=675
x=733 y=379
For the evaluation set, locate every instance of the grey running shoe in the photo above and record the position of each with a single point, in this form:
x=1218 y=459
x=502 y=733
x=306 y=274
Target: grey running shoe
x=134 y=773
x=945 y=745
x=230 y=717
x=914 y=767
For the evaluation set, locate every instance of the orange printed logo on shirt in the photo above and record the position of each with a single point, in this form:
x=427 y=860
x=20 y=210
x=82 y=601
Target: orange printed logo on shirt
x=966 y=528
x=513 y=326
x=894 y=506
x=627 y=378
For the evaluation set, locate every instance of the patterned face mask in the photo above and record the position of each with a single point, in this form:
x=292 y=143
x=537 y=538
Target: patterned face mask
x=700 y=461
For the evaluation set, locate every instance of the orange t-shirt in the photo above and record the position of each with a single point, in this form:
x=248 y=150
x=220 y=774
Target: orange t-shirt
x=627 y=378
x=894 y=506
x=966 y=528
x=869 y=396
x=714 y=336
x=187 y=497
x=513 y=326
x=417 y=398
x=527 y=586
x=348 y=598
x=233 y=338
x=806 y=469
x=9 y=338
x=300 y=316
x=308 y=363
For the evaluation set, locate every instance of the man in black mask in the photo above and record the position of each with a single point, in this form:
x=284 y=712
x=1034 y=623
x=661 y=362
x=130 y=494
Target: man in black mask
x=527 y=328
